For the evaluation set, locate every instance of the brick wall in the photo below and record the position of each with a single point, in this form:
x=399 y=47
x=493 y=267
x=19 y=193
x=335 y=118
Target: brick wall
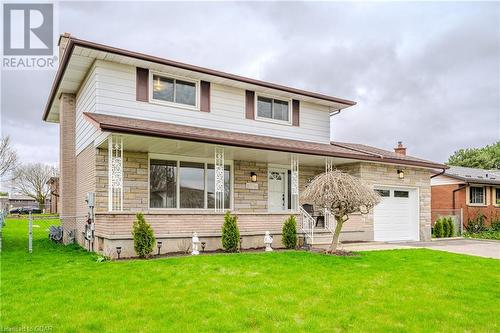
x=442 y=199
x=85 y=182
x=67 y=163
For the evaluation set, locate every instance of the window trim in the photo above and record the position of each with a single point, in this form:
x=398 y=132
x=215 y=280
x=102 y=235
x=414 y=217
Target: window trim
x=272 y=120
x=470 y=203
x=178 y=159
x=494 y=196
x=152 y=100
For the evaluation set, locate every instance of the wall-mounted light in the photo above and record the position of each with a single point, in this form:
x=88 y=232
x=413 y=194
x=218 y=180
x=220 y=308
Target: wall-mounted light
x=253 y=176
x=401 y=174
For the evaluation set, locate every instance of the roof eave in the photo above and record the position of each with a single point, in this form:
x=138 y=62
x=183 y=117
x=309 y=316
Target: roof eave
x=72 y=42
x=255 y=145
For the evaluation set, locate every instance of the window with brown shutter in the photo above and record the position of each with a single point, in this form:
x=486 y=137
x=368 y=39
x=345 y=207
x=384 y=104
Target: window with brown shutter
x=295 y=112
x=142 y=84
x=205 y=96
x=250 y=104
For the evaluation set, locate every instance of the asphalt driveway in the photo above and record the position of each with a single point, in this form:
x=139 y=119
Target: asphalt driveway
x=473 y=247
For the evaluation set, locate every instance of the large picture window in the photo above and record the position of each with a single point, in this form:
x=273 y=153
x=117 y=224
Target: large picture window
x=174 y=90
x=274 y=109
x=477 y=195
x=163 y=184
x=497 y=196
x=185 y=184
x=192 y=185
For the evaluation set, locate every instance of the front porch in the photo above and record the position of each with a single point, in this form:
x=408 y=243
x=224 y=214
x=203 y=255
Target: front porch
x=184 y=187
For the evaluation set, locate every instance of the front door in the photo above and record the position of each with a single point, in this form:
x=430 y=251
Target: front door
x=277 y=183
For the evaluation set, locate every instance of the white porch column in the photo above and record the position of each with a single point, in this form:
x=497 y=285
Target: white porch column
x=294 y=170
x=219 y=179
x=329 y=166
x=115 y=173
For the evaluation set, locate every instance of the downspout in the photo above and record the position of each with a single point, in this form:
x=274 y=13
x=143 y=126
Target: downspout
x=460 y=187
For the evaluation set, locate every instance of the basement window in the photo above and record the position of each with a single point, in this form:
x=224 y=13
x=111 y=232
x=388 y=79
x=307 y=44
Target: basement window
x=476 y=195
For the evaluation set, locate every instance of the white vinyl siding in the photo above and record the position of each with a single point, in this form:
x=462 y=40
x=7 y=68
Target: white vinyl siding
x=86 y=101
x=116 y=95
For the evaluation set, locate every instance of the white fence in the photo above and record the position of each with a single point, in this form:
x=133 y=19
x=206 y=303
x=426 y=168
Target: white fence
x=456 y=215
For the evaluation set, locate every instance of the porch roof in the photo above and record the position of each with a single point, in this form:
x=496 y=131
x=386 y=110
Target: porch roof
x=117 y=124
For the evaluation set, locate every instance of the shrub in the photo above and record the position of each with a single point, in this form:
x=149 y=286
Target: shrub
x=290 y=232
x=451 y=227
x=144 y=238
x=495 y=223
x=230 y=233
x=476 y=224
x=446 y=226
x=438 y=229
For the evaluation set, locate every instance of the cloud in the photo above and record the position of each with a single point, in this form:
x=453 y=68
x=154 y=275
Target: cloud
x=424 y=73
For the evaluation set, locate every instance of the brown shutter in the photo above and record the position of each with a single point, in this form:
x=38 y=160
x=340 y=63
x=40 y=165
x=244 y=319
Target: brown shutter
x=250 y=104
x=295 y=112
x=205 y=96
x=142 y=85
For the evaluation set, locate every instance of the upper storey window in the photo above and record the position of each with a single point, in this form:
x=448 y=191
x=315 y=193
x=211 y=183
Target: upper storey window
x=173 y=90
x=273 y=109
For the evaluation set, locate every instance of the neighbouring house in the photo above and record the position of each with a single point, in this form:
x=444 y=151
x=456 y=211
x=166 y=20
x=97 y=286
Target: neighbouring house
x=17 y=200
x=469 y=190
x=53 y=184
x=183 y=144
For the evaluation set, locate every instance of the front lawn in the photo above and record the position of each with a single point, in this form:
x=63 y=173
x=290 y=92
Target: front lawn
x=65 y=289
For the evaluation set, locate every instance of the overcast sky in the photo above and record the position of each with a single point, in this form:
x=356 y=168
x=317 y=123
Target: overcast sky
x=424 y=73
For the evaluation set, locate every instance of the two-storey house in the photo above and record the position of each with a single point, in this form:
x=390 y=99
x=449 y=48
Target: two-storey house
x=183 y=144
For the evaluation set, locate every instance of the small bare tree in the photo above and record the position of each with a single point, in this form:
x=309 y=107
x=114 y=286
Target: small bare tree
x=343 y=194
x=31 y=180
x=8 y=157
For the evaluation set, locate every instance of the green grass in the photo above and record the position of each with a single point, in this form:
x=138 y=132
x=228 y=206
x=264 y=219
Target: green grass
x=386 y=291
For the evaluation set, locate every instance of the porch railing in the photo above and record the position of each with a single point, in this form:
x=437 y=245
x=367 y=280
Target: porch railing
x=307 y=223
x=330 y=222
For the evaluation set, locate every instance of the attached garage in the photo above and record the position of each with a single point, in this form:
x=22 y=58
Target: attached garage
x=395 y=218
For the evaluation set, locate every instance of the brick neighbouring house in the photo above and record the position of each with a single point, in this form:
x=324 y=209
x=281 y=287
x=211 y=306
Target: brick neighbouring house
x=470 y=189
x=147 y=134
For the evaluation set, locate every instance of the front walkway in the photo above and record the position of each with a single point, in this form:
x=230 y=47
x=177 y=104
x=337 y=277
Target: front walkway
x=474 y=247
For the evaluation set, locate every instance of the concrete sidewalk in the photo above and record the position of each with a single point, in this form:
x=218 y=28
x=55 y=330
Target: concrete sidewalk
x=474 y=247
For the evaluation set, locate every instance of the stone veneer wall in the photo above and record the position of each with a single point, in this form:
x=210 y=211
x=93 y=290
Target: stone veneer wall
x=248 y=196
x=135 y=181
x=381 y=174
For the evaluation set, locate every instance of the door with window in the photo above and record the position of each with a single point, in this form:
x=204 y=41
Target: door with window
x=277 y=189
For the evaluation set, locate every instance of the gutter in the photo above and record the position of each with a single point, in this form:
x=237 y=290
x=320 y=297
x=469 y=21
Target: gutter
x=442 y=172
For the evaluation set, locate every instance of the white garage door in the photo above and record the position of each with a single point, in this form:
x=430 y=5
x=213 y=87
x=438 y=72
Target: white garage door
x=396 y=216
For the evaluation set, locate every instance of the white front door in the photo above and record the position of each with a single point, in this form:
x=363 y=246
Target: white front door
x=277 y=184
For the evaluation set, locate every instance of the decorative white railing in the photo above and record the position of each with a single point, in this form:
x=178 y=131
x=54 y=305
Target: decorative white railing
x=330 y=222
x=307 y=223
